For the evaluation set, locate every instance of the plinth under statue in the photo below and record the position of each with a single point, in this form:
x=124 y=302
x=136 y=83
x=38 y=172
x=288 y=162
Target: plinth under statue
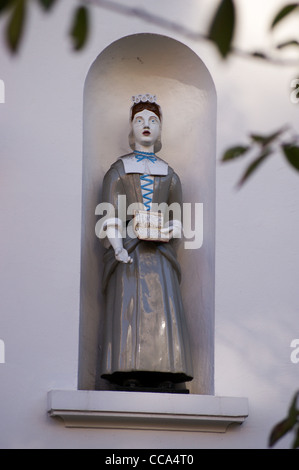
x=145 y=341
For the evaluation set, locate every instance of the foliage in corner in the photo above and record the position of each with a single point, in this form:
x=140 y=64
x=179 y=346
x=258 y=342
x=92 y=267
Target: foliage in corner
x=47 y=4
x=289 y=424
x=16 y=13
x=283 y=12
x=16 y=22
x=262 y=147
x=79 y=31
x=222 y=27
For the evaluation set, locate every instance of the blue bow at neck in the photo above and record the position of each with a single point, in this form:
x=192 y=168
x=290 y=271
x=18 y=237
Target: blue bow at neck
x=145 y=155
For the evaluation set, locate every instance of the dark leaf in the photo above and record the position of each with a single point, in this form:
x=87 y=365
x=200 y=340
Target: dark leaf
x=222 y=28
x=268 y=139
x=295 y=85
x=260 y=139
x=296 y=440
x=280 y=430
x=286 y=425
x=259 y=55
x=286 y=10
x=292 y=155
x=16 y=24
x=47 y=4
x=287 y=44
x=253 y=167
x=293 y=410
x=80 y=28
x=5 y=4
x=234 y=152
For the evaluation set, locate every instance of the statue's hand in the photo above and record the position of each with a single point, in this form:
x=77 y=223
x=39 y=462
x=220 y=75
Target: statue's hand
x=172 y=231
x=122 y=256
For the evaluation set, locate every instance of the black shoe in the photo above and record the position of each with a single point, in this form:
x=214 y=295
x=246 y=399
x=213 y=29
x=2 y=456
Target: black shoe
x=166 y=385
x=131 y=383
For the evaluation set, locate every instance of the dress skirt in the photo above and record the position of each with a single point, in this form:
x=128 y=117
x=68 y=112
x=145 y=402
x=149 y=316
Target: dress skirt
x=145 y=330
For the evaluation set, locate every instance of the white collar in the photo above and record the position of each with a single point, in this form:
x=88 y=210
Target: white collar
x=131 y=165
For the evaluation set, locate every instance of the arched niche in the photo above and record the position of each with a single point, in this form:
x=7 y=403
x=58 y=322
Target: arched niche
x=150 y=63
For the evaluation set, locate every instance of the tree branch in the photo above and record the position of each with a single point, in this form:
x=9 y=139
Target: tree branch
x=182 y=30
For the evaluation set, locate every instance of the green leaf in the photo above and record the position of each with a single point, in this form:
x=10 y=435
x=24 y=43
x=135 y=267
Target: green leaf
x=47 y=4
x=286 y=10
x=287 y=424
x=296 y=87
x=5 y=4
x=296 y=440
x=293 y=410
x=253 y=167
x=292 y=155
x=222 y=28
x=268 y=139
x=16 y=24
x=259 y=55
x=80 y=27
x=280 y=430
x=287 y=44
x=234 y=152
x=260 y=139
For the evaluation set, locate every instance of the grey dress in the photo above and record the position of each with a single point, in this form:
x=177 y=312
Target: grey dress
x=145 y=332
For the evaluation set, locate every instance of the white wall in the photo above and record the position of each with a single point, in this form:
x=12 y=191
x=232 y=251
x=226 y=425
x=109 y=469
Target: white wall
x=40 y=197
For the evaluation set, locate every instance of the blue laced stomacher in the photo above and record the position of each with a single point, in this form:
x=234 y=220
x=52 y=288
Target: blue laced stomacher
x=147 y=181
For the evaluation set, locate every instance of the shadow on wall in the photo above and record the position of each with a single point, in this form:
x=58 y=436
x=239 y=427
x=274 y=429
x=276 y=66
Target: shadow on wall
x=254 y=352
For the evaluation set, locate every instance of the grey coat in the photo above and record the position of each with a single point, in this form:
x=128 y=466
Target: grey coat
x=145 y=328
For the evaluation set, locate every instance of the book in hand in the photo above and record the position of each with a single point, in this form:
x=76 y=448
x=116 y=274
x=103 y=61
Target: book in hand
x=148 y=225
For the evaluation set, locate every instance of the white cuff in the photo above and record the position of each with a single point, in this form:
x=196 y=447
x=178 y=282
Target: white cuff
x=176 y=226
x=110 y=229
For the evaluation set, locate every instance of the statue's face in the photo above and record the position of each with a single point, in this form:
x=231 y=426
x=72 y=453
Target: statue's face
x=146 y=127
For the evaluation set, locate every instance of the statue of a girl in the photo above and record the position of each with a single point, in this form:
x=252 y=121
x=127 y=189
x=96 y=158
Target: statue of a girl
x=145 y=337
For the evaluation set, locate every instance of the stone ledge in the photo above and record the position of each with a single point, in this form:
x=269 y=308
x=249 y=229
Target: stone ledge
x=147 y=411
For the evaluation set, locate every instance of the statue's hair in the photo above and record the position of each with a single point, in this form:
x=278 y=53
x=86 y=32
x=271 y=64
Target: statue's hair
x=138 y=107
